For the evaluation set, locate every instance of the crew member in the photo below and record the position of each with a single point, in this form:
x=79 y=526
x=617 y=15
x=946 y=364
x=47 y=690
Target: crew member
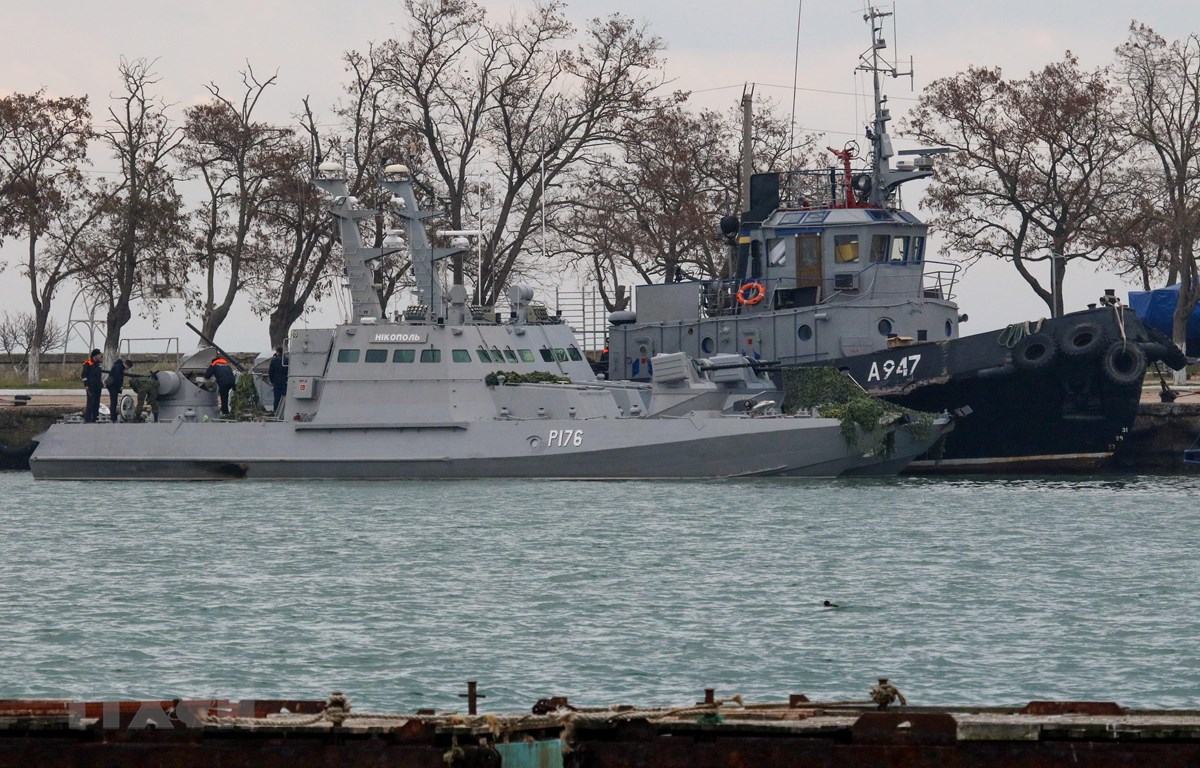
x=147 y=392
x=91 y=376
x=220 y=370
x=277 y=374
x=114 y=382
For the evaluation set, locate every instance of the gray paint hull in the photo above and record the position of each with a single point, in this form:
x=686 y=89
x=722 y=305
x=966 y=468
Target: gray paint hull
x=566 y=449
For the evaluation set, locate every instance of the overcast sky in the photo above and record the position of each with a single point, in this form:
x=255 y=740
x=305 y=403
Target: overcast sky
x=72 y=47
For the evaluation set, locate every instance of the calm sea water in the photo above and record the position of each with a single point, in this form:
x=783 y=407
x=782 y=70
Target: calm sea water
x=961 y=591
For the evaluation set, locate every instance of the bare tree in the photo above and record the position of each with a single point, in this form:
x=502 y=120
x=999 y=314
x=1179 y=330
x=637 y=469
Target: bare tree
x=651 y=207
x=1133 y=226
x=236 y=158
x=1162 y=111
x=138 y=244
x=509 y=101
x=24 y=339
x=1036 y=162
x=294 y=239
x=43 y=146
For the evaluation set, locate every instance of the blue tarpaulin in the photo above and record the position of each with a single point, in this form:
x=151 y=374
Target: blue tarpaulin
x=1157 y=309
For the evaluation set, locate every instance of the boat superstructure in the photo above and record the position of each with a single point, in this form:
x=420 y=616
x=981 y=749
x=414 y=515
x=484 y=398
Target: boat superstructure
x=827 y=268
x=445 y=390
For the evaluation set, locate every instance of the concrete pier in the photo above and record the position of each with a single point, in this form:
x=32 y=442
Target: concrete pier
x=555 y=734
x=1161 y=433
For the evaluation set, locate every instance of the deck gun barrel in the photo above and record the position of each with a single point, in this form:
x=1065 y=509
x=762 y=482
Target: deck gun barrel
x=232 y=360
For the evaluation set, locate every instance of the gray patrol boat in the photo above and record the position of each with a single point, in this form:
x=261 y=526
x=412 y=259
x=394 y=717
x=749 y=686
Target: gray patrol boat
x=448 y=391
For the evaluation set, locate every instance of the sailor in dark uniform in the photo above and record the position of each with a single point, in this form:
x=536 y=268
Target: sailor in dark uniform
x=220 y=370
x=114 y=383
x=92 y=385
x=277 y=374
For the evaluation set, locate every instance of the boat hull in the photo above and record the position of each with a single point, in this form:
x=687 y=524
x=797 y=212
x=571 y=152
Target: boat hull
x=1062 y=413
x=681 y=448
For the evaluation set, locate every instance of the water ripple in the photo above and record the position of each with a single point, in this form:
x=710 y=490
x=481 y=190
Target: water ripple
x=963 y=591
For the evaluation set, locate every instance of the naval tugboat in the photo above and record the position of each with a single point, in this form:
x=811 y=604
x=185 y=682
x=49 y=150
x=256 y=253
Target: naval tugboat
x=446 y=390
x=828 y=269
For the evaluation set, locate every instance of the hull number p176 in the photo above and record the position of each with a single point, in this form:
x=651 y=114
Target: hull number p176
x=561 y=438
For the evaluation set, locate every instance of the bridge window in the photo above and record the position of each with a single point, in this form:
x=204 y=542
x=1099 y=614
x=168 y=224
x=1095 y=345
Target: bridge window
x=483 y=355
x=460 y=356
x=404 y=355
x=526 y=355
x=845 y=248
x=431 y=355
x=779 y=254
x=574 y=354
x=509 y=355
x=560 y=354
x=497 y=356
x=377 y=355
x=880 y=247
x=918 y=250
x=900 y=249
x=547 y=354
x=347 y=355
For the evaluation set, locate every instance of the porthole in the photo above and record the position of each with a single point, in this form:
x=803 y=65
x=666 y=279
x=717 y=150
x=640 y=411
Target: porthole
x=804 y=332
x=707 y=345
x=885 y=326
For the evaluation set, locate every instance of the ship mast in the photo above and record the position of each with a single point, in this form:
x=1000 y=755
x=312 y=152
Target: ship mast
x=397 y=180
x=747 y=143
x=883 y=178
x=881 y=144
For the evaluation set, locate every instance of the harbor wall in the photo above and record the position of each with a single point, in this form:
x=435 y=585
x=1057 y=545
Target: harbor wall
x=19 y=425
x=1160 y=435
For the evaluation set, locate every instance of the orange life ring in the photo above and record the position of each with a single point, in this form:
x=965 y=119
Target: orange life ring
x=758 y=295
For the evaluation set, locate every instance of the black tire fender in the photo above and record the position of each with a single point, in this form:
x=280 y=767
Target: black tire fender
x=1034 y=352
x=1082 y=340
x=1124 y=363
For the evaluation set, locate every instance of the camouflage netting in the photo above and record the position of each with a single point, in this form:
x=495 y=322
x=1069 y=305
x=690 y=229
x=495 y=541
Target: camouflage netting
x=512 y=377
x=243 y=400
x=836 y=396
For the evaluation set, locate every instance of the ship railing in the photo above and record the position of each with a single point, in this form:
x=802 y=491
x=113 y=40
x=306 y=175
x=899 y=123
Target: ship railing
x=939 y=283
x=718 y=298
x=809 y=189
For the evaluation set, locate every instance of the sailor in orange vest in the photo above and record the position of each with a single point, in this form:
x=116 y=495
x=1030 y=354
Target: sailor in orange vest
x=92 y=385
x=220 y=370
